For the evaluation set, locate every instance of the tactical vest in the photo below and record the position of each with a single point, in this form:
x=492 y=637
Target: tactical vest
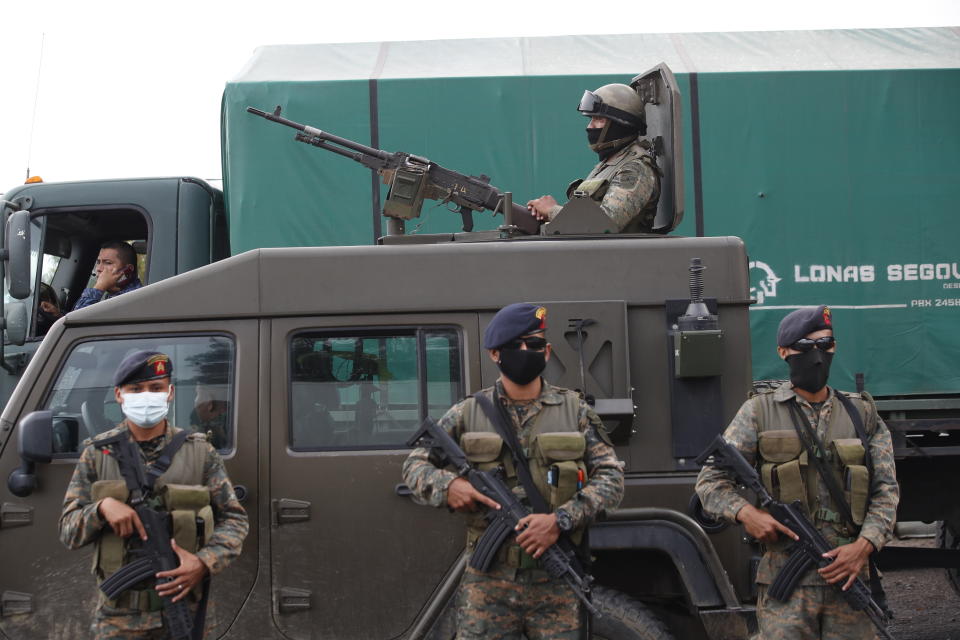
x=555 y=449
x=789 y=475
x=596 y=184
x=180 y=491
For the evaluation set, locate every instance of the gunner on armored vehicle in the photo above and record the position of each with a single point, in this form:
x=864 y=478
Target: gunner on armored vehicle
x=626 y=181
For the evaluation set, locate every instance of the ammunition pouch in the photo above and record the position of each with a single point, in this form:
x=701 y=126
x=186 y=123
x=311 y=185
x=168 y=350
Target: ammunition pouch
x=484 y=451
x=783 y=465
x=192 y=525
x=557 y=465
x=849 y=456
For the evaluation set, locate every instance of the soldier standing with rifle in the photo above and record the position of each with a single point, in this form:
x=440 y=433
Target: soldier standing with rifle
x=565 y=468
x=830 y=452
x=157 y=503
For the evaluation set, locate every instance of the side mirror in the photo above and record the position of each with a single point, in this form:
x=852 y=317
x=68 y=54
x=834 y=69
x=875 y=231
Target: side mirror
x=17 y=255
x=16 y=322
x=34 y=444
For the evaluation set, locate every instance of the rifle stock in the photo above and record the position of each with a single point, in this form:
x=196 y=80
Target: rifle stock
x=807 y=552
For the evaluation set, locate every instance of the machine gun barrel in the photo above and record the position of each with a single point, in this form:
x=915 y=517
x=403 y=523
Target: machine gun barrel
x=412 y=178
x=318 y=137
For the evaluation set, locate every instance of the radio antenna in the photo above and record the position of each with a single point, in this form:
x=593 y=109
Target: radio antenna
x=36 y=99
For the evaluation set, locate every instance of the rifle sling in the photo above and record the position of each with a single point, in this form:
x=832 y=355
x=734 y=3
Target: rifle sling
x=501 y=422
x=141 y=483
x=126 y=451
x=876 y=586
x=816 y=452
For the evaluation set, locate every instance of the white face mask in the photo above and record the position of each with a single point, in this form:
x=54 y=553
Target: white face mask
x=147 y=408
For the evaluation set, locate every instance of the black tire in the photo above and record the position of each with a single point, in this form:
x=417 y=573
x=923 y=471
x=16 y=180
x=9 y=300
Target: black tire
x=950 y=539
x=625 y=618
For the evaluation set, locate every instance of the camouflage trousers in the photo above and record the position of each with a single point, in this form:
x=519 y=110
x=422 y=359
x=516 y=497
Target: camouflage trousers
x=139 y=626
x=812 y=613
x=492 y=607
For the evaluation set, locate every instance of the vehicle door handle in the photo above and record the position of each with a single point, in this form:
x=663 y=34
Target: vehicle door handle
x=402 y=490
x=291 y=600
x=15 y=515
x=287 y=510
x=15 y=602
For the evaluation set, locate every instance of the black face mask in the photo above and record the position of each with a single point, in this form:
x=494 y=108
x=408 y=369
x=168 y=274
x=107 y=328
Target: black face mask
x=809 y=371
x=618 y=136
x=522 y=366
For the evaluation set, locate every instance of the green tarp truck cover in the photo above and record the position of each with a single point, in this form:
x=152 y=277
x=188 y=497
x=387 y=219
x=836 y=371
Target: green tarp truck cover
x=834 y=154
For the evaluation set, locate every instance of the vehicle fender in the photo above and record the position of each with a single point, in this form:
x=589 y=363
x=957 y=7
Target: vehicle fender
x=679 y=537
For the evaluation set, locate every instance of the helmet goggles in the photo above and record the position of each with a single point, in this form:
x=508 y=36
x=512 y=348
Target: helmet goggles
x=593 y=105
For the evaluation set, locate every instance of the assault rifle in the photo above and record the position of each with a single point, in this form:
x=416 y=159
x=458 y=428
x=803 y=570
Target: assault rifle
x=501 y=523
x=413 y=178
x=156 y=553
x=806 y=552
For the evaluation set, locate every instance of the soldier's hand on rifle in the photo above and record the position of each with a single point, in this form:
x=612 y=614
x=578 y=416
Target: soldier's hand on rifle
x=462 y=496
x=542 y=208
x=761 y=525
x=121 y=518
x=184 y=578
x=848 y=559
x=537 y=532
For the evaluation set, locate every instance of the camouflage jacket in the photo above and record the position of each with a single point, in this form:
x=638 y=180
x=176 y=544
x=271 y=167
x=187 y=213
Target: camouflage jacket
x=626 y=187
x=720 y=498
x=604 y=487
x=81 y=524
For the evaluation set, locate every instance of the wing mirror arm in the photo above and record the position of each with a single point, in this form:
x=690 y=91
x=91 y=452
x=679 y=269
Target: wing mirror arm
x=34 y=444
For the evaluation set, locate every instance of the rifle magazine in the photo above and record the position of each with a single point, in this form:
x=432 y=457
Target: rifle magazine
x=489 y=543
x=127 y=577
x=795 y=568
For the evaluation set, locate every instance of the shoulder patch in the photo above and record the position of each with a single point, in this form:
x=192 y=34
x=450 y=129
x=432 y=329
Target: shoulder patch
x=603 y=434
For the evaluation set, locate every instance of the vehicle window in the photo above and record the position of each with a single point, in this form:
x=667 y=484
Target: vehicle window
x=370 y=390
x=83 y=403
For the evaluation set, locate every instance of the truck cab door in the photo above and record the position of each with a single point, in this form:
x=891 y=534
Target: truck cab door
x=174 y=225
x=351 y=553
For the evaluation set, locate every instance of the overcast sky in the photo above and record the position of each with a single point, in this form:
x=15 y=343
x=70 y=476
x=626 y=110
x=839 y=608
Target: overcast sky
x=102 y=89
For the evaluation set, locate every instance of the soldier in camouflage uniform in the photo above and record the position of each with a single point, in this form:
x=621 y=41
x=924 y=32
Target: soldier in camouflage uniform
x=95 y=509
x=626 y=181
x=768 y=432
x=517 y=596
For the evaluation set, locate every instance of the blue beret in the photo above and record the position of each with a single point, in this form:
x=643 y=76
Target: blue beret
x=803 y=321
x=140 y=366
x=513 y=321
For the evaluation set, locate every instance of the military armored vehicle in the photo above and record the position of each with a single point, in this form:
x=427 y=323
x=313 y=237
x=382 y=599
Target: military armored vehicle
x=329 y=358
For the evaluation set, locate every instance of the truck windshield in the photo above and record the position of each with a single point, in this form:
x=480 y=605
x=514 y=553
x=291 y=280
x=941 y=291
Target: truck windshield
x=83 y=402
